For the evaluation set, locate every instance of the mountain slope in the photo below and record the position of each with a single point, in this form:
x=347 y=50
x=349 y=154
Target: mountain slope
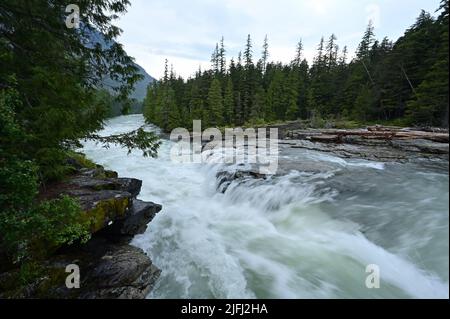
x=140 y=88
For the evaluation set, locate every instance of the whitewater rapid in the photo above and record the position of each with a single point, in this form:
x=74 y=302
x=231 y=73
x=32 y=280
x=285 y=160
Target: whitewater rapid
x=307 y=233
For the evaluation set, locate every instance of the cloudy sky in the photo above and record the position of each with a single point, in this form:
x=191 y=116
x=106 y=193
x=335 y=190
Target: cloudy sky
x=186 y=31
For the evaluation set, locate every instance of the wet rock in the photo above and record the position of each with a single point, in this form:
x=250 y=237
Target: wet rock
x=130 y=185
x=110 y=268
x=107 y=271
x=421 y=146
x=141 y=213
x=225 y=178
x=376 y=150
x=377 y=143
x=123 y=272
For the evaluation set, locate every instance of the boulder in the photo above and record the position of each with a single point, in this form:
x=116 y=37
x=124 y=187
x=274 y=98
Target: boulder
x=123 y=272
x=107 y=271
x=109 y=266
x=130 y=185
x=140 y=214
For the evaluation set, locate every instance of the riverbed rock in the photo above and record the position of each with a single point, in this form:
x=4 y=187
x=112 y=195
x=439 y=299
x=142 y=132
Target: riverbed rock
x=141 y=213
x=109 y=266
x=107 y=271
x=123 y=272
x=396 y=150
x=225 y=178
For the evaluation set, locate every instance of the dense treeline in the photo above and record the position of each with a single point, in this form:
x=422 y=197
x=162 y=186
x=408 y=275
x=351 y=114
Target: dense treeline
x=49 y=100
x=404 y=82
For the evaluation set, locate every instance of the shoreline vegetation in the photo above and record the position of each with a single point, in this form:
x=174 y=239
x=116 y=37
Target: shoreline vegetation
x=401 y=83
x=112 y=268
x=51 y=97
x=56 y=207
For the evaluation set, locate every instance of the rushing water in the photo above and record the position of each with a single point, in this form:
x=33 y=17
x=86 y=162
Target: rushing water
x=308 y=233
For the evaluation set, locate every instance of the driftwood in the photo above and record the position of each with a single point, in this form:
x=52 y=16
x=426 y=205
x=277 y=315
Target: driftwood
x=374 y=132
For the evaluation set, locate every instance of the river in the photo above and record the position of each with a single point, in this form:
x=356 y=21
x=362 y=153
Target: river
x=305 y=233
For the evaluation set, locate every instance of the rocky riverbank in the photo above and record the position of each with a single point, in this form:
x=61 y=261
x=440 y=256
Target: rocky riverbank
x=429 y=147
x=374 y=143
x=109 y=266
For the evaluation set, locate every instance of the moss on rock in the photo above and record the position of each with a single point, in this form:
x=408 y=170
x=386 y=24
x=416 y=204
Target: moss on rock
x=106 y=211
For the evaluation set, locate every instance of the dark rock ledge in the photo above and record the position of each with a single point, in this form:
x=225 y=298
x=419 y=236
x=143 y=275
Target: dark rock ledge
x=109 y=266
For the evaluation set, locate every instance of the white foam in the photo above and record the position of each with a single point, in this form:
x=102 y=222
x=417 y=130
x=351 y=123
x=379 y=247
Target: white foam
x=262 y=238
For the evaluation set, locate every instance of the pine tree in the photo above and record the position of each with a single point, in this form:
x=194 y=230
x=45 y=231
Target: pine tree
x=292 y=111
x=196 y=103
x=319 y=60
x=215 y=105
x=298 y=56
x=258 y=103
x=52 y=96
x=238 y=112
x=173 y=113
x=367 y=42
x=222 y=59
x=385 y=81
x=248 y=53
x=331 y=58
x=265 y=54
x=248 y=80
x=343 y=58
x=166 y=71
x=275 y=107
x=430 y=104
x=228 y=103
x=215 y=60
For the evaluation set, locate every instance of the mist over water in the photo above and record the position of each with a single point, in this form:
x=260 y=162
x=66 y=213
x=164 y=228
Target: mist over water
x=308 y=232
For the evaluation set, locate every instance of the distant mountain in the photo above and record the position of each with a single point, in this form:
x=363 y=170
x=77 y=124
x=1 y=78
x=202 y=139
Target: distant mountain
x=140 y=88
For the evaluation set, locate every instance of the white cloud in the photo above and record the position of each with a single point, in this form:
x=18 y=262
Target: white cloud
x=185 y=32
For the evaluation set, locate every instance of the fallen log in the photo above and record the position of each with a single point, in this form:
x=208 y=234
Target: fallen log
x=326 y=138
x=331 y=135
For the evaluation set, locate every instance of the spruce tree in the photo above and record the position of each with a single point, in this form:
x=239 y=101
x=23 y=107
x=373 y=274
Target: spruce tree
x=265 y=54
x=215 y=104
x=221 y=58
x=367 y=42
x=228 y=103
x=248 y=53
x=298 y=54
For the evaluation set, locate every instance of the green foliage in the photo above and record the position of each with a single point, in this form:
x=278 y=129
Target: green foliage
x=215 y=104
x=140 y=139
x=49 y=100
x=81 y=160
x=403 y=82
x=35 y=233
x=228 y=103
x=29 y=229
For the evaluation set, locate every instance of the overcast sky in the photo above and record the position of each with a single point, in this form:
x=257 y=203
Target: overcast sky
x=186 y=31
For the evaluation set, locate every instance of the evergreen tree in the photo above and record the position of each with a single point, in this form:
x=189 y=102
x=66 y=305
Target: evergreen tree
x=215 y=104
x=258 y=103
x=228 y=103
x=331 y=58
x=248 y=53
x=173 y=113
x=292 y=112
x=215 y=60
x=298 y=54
x=367 y=42
x=265 y=54
x=430 y=104
x=222 y=58
x=51 y=96
x=386 y=81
